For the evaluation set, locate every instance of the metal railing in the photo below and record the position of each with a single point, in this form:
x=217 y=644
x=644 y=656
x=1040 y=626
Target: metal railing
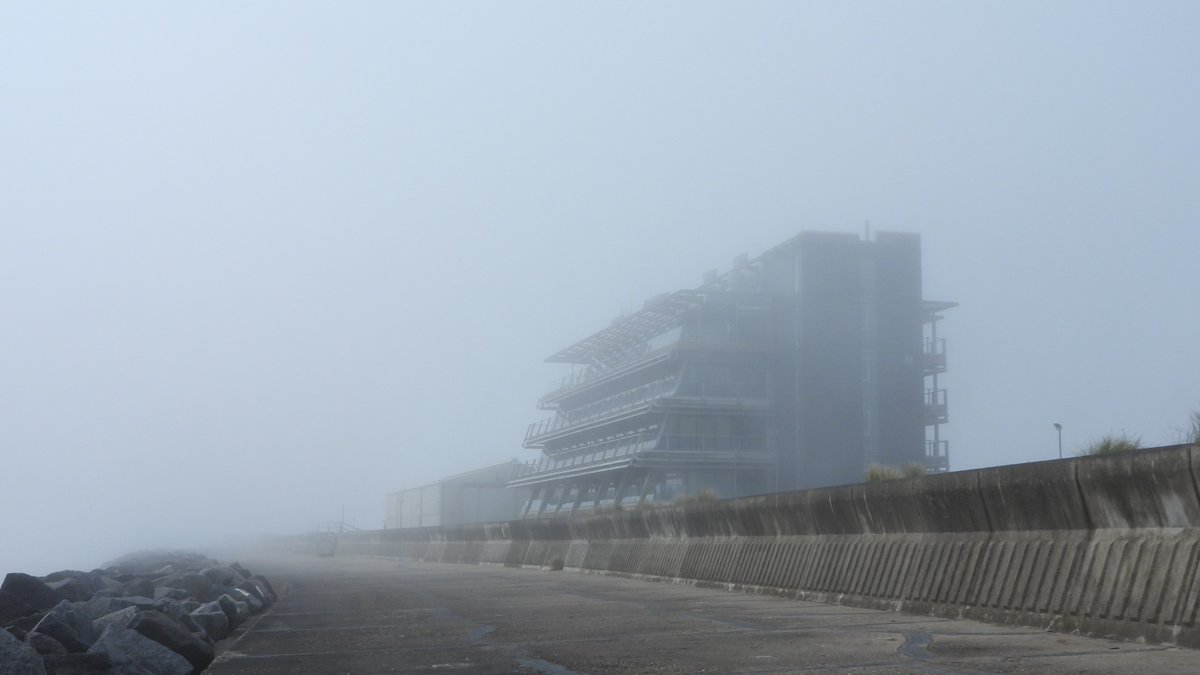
x=934 y=356
x=937 y=455
x=601 y=409
x=595 y=372
x=336 y=526
x=598 y=453
x=628 y=360
x=936 y=408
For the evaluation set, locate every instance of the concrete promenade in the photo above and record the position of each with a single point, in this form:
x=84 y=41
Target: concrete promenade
x=361 y=615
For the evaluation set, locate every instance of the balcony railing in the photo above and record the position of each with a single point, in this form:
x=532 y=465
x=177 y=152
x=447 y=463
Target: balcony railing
x=632 y=359
x=598 y=453
x=583 y=377
x=935 y=406
x=937 y=455
x=597 y=411
x=722 y=459
x=934 y=356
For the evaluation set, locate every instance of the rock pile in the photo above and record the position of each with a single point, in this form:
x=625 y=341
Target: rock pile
x=154 y=613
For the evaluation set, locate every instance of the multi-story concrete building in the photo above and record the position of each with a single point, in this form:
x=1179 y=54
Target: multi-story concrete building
x=796 y=369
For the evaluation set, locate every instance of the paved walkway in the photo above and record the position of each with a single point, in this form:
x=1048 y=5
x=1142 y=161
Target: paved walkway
x=372 y=615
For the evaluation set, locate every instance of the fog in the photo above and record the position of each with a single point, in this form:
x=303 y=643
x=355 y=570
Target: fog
x=262 y=264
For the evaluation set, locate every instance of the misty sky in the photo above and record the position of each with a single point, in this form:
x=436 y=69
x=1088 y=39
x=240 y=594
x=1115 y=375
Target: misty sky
x=260 y=262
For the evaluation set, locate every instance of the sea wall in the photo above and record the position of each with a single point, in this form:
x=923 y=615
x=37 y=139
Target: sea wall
x=1097 y=545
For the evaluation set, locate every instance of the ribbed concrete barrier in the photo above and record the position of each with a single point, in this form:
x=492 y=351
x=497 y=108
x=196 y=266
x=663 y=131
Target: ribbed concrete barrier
x=1099 y=545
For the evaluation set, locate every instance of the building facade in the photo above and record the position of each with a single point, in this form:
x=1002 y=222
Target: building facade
x=479 y=496
x=796 y=369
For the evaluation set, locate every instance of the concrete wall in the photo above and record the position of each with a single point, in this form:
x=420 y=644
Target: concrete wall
x=1099 y=545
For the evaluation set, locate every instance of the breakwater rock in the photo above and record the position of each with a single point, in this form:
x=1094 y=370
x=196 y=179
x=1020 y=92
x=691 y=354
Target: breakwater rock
x=152 y=613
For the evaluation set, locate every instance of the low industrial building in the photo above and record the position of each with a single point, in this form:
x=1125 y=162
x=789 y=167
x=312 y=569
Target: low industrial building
x=479 y=496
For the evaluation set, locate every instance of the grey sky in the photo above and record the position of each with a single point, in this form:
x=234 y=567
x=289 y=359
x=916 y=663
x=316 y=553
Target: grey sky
x=262 y=261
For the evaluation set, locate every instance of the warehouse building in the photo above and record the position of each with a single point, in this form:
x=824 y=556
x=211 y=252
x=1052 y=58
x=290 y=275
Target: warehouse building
x=479 y=496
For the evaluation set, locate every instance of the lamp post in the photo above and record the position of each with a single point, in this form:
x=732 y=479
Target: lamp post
x=1058 y=427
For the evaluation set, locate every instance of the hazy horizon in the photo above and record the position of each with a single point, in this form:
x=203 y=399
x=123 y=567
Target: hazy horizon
x=262 y=263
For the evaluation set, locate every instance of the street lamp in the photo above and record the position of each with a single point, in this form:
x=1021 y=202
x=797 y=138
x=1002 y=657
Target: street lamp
x=1058 y=427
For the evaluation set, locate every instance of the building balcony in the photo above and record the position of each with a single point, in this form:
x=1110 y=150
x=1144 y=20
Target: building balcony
x=934 y=356
x=613 y=453
x=935 y=407
x=937 y=456
x=595 y=375
x=598 y=412
x=600 y=374
x=646 y=448
x=706 y=459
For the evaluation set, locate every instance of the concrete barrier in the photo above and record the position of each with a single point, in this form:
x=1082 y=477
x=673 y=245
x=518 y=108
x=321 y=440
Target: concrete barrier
x=1098 y=545
x=1150 y=488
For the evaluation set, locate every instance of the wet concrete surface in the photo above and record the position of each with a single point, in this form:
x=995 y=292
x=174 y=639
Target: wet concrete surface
x=359 y=615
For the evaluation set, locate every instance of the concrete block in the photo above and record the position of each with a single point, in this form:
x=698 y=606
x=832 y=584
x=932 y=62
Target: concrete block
x=835 y=511
x=1036 y=496
x=1146 y=488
